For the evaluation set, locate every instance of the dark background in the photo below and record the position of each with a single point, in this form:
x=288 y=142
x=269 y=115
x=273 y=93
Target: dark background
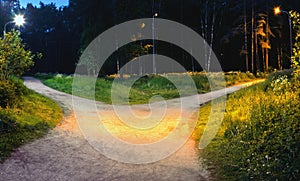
x=61 y=34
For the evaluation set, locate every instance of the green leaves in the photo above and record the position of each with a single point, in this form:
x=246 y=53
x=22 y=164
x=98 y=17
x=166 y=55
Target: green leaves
x=14 y=58
x=295 y=16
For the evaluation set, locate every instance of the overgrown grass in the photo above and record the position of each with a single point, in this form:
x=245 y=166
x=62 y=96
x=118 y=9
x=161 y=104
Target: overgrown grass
x=146 y=87
x=29 y=119
x=259 y=138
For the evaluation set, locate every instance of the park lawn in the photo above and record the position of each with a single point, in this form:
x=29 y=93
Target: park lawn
x=32 y=118
x=144 y=88
x=259 y=136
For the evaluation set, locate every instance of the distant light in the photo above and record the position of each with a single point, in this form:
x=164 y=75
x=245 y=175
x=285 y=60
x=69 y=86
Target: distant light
x=19 y=20
x=156 y=14
x=277 y=10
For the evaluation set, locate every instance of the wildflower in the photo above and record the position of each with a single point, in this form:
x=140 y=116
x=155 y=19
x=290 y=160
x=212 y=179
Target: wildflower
x=59 y=76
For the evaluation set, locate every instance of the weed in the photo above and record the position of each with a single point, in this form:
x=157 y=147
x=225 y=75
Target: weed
x=259 y=138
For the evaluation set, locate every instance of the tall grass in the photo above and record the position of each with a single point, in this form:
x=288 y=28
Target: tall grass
x=260 y=137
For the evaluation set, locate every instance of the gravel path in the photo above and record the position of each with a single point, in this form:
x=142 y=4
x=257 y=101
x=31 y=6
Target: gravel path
x=64 y=153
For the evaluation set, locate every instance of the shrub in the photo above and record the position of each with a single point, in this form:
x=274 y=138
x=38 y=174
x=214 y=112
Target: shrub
x=11 y=92
x=7 y=122
x=14 y=59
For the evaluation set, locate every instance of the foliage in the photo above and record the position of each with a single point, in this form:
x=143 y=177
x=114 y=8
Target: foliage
x=144 y=88
x=60 y=33
x=259 y=138
x=11 y=92
x=53 y=31
x=295 y=16
x=281 y=84
x=14 y=59
x=20 y=125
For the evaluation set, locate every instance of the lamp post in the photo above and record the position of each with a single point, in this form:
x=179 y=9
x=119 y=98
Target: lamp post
x=18 y=20
x=153 y=44
x=142 y=26
x=277 y=11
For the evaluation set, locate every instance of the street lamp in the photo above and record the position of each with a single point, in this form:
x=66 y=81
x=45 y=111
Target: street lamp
x=153 y=44
x=277 y=11
x=18 y=20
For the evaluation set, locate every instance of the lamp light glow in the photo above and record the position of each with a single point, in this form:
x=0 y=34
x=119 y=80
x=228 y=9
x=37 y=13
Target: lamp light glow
x=19 y=20
x=277 y=10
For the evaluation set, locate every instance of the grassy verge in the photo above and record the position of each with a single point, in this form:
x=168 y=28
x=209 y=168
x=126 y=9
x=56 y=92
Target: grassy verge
x=260 y=137
x=146 y=87
x=29 y=119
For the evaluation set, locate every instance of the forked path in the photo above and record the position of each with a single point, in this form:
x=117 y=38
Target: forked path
x=64 y=153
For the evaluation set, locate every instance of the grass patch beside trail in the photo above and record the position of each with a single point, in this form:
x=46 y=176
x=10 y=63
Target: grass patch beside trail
x=260 y=137
x=30 y=119
x=146 y=87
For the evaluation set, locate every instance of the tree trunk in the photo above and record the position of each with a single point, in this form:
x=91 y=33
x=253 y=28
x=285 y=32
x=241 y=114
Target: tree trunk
x=206 y=35
x=246 y=38
x=253 y=38
x=279 y=57
x=267 y=60
x=263 y=52
x=192 y=60
x=256 y=53
x=268 y=41
x=211 y=38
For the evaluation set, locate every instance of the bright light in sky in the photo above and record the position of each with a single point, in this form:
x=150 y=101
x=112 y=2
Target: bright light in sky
x=19 y=20
x=58 y=3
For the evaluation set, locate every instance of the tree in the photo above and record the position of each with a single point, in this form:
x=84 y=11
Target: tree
x=54 y=32
x=264 y=33
x=296 y=50
x=96 y=16
x=14 y=58
x=211 y=16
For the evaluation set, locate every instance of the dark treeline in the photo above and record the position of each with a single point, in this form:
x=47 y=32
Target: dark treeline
x=244 y=34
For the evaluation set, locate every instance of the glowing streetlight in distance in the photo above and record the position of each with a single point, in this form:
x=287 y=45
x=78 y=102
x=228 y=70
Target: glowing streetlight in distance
x=277 y=10
x=19 y=20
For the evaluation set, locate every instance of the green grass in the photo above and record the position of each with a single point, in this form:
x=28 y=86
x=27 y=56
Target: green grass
x=30 y=119
x=144 y=88
x=259 y=137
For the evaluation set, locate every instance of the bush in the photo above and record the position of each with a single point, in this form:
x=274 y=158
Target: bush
x=14 y=59
x=11 y=92
x=7 y=122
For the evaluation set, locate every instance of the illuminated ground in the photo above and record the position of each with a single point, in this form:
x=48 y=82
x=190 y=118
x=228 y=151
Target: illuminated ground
x=64 y=154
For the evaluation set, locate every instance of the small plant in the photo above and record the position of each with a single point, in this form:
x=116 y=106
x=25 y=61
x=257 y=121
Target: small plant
x=281 y=85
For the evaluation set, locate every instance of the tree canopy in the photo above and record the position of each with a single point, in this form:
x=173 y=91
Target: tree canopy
x=244 y=34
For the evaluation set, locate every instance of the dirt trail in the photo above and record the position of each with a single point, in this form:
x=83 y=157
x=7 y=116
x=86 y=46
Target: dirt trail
x=64 y=153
